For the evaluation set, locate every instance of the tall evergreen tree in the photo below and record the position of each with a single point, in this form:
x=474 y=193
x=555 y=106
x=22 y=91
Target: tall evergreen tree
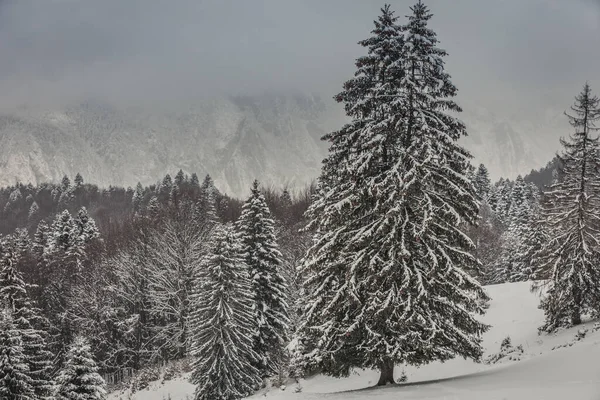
x=15 y=383
x=264 y=260
x=78 y=180
x=388 y=275
x=571 y=214
x=27 y=319
x=206 y=206
x=222 y=323
x=482 y=182
x=65 y=184
x=138 y=197
x=79 y=378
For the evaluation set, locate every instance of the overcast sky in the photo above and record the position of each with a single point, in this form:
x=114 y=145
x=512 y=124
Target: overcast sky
x=510 y=53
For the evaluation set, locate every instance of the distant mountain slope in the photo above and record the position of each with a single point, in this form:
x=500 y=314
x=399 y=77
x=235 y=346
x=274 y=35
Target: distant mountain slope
x=235 y=139
x=275 y=138
x=514 y=145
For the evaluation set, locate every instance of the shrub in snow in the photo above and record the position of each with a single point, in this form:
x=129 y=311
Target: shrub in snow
x=581 y=334
x=507 y=352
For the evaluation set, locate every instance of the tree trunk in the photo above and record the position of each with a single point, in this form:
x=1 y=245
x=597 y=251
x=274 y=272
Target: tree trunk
x=576 y=312
x=387 y=373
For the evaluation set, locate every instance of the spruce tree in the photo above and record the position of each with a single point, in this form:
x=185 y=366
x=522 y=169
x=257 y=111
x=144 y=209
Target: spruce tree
x=530 y=246
x=388 y=275
x=222 y=323
x=15 y=382
x=27 y=319
x=264 y=260
x=138 y=197
x=570 y=211
x=65 y=184
x=78 y=180
x=34 y=212
x=206 y=207
x=482 y=182
x=79 y=378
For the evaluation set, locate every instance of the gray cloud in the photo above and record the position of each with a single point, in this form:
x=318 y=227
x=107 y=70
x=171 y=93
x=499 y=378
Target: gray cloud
x=506 y=53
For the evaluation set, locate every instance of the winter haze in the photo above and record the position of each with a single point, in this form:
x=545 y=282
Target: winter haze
x=130 y=90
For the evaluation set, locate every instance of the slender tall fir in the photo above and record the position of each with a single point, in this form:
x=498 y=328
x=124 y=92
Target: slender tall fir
x=264 y=260
x=388 y=275
x=571 y=213
x=222 y=323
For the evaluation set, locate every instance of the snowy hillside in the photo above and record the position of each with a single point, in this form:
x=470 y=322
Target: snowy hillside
x=549 y=367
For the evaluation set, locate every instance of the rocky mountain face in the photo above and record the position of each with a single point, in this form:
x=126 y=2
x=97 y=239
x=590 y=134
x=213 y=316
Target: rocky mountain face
x=275 y=138
x=513 y=145
x=235 y=139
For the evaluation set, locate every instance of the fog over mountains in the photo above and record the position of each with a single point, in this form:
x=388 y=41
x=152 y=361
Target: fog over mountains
x=235 y=139
x=148 y=61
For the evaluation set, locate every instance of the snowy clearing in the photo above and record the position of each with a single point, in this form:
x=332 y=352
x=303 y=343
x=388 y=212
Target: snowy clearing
x=550 y=367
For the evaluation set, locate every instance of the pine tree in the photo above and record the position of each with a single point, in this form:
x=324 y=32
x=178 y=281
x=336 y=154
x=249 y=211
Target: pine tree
x=180 y=178
x=570 y=211
x=65 y=184
x=34 y=212
x=503 y=198
x=388 y=275
x=164 y=189
x=222 y=324
x=510 y=265
x=26 y=318
x=482 y=182
x=264 y=261
x=79 y=378
x=530 y=246
x=86 y=227
x=206 y=207
x=153 y=208
x=15 y=383
x=195 y=182
x=78 y=180
x=138 y=197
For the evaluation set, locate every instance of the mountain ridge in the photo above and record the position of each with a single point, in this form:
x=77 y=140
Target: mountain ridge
x=272 y=137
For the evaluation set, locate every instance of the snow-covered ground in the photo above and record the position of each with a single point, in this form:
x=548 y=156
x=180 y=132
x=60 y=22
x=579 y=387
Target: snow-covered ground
x=550 y=367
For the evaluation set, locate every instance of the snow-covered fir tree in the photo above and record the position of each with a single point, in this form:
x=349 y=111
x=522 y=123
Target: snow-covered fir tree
x=530 y=245
x=138 y=197
x=264 y=261
x=34 y=211
x=65 y=184
x=509 y=265
x=482 y=182
x=571 y=214
x=26 y=318
x=78 y=180
x=79 y=379
x=206 y=207
x=388 y=277
x=222 y=323
x=15 y=382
